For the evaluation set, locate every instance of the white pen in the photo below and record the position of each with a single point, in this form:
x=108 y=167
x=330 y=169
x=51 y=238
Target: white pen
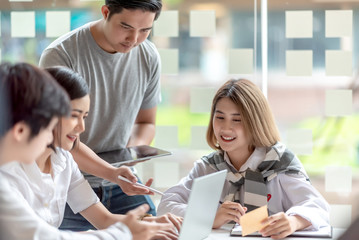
x=141 y=185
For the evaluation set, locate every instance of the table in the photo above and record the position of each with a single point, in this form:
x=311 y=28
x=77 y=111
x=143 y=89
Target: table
x=223 y=234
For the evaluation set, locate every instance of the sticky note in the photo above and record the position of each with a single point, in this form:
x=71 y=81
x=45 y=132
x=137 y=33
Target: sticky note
x=169 y=60
x=299 y=62
x=166 y=137
x=338 y=102
x=299 y=24
x=240 y=61
x=338 y=179
x=201 y=99
x=340 y=215
x=338 y=23
x=166 y=25
x=23 y=24
x=338 y=63
x=300 y=141
x=251 y=222
x=202 y=23
x=198 y=138
x=166 y=174
x=57 y=23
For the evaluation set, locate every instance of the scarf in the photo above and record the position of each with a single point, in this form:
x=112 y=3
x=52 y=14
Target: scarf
x=277 y=160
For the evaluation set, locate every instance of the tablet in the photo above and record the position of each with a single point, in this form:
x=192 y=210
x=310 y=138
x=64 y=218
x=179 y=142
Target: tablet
x=132 y=155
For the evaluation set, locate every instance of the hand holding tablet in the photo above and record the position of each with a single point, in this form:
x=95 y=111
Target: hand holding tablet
x=141 y=185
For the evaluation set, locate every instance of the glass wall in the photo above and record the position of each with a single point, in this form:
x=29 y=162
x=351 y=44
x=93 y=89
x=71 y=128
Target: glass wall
x=311 y=82
x=312 y=78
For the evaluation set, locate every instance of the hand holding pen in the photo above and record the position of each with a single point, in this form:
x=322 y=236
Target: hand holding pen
x=140 y=185
x=129 y=187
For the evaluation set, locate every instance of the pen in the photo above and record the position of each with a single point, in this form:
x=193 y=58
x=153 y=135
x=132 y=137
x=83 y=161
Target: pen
x=141 y=185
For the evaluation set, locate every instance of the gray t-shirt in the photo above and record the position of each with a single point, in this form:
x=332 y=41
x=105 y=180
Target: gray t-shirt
x=120 y=85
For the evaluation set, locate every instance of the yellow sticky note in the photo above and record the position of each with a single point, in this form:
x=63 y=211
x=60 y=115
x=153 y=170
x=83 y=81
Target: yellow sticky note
x=251 y=222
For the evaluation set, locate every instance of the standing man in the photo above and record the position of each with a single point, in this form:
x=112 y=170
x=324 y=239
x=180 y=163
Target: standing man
x=122 y=68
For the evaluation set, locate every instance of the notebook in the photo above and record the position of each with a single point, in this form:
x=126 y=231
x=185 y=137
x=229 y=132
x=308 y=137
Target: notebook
x=202 y=206
x=132 y=155
x=324 y=232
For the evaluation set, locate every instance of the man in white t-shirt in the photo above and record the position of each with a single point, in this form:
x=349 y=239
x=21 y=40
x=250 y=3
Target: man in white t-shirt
x=122 y=69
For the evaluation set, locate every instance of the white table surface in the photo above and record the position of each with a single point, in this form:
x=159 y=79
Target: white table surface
x=223 y=234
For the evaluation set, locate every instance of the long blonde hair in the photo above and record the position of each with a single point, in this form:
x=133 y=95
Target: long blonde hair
x=257 y=117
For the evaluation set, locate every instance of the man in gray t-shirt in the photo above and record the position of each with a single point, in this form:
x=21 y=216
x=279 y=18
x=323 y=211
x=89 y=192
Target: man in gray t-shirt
x=122 y=69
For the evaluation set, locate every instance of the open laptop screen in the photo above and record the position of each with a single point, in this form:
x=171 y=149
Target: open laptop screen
x=202 y=206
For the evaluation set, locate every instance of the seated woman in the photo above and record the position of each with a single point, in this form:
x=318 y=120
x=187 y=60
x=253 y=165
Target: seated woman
x=261 y=170
x=55 y=178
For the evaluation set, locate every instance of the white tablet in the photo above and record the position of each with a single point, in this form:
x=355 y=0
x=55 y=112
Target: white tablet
x=132 y=155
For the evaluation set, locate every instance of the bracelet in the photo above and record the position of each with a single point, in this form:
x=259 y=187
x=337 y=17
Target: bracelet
x=144 y=215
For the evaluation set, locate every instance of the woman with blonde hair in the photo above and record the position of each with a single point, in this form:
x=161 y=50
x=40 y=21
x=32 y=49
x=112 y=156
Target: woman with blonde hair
x=261 y=170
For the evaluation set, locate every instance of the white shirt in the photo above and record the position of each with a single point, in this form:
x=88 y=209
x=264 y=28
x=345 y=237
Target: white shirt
x=19 y=221
x=47 y=194
x=289 y=193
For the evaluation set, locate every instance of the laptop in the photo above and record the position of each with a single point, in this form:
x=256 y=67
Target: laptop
x=132 y=155
x=202 y=206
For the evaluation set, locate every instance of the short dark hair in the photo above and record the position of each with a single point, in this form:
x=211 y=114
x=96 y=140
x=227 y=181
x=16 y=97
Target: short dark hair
x=4 y=112
x=116 y=6
x=33 y=97
x=73 y=83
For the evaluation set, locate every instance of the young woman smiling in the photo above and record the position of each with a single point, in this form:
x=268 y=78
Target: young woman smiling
x=260 y=169
x=56 y=179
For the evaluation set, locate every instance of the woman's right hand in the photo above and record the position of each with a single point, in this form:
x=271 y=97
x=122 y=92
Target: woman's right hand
x=228 y=211
x=130 y=188
x=143 y=230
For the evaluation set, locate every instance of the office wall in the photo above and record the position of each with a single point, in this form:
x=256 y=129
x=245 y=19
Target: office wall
x=311 y=82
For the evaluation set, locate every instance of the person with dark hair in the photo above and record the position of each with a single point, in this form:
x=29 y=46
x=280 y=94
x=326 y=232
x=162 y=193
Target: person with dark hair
x=72 y=82
x=116 y=6
x=33 y=99
x=122 y=69
x=29 y=112
x=4 y=112
x=57 y=174
x=260 y=169
x=30 y=105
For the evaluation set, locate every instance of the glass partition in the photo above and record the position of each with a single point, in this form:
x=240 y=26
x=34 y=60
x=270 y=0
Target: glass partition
x=311 y=82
